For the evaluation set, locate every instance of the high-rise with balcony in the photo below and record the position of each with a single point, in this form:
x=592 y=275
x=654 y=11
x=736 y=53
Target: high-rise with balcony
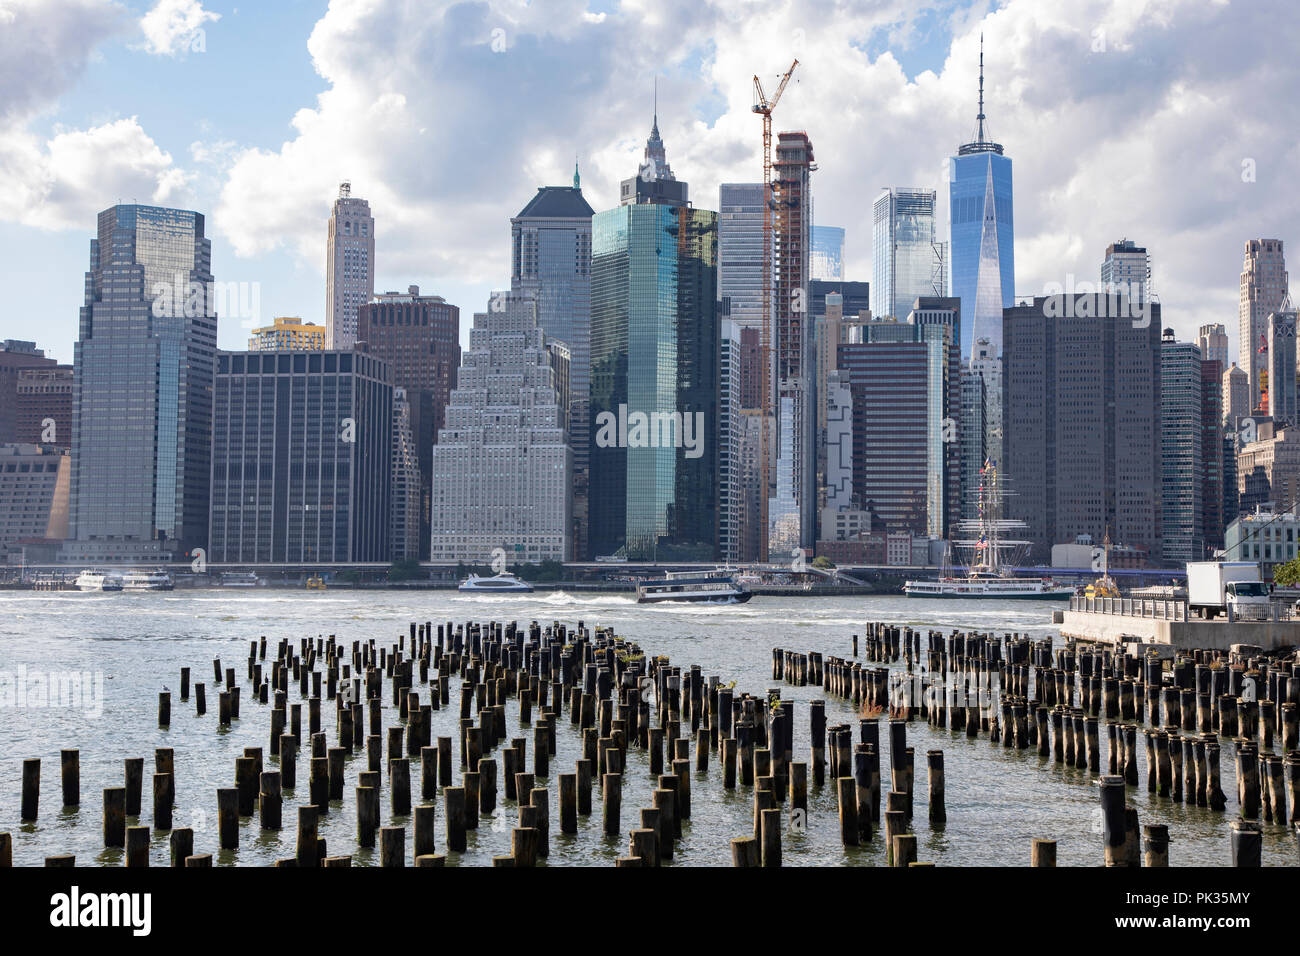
x=349 y=267
x=907 y=256
x=981 y=234
x=550 y=259
x=142 y=392
x=1263 y=290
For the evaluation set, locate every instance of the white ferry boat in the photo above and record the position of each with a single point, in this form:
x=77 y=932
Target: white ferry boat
x=983 y=585
x=95 y=580
x=717 y=586
x=987 y=577
x=240 y=579
x=146 y=580
x=502 y=582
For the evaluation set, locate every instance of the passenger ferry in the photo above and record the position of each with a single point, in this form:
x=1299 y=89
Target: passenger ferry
x=981 y=584
x=240 y=579
x=717 y=587
x=146 y=580
x=503 y=582
x=95 y=580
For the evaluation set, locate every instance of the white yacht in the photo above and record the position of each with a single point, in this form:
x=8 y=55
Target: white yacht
x=146 y=580
x=93 y=579
x=987 y=577
x=502 y=582
x=717 y=586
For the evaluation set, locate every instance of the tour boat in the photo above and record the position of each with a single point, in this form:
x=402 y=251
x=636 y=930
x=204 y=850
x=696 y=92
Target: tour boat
x=155 y=579
x=95 y=580
x=499 y=582
x=717 y=587
x=240 y=579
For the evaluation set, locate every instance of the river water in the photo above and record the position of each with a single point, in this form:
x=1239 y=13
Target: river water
x=135 y=644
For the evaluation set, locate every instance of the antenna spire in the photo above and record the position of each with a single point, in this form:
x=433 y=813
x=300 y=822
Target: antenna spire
x=656 y=122
x=979 y=135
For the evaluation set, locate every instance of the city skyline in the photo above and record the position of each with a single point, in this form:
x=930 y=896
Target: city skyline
x=229 y=160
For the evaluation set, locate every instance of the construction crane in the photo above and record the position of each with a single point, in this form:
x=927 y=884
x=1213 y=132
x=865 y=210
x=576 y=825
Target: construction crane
x=764 y=107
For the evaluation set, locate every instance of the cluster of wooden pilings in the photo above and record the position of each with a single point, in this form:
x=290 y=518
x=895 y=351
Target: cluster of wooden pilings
x=1023 y=694
x=1018 y=692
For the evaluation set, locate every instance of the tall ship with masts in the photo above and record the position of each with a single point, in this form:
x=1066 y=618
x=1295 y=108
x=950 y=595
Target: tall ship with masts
x=987 y=575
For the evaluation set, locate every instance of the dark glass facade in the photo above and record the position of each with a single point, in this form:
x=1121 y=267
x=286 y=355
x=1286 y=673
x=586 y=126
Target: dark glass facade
x=302 y=452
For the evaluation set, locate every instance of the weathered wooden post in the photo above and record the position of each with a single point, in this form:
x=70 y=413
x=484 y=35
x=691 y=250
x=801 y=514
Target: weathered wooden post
x=1113 y=819
x=1042 y=853
x=1247 y=843
x=1157 y=844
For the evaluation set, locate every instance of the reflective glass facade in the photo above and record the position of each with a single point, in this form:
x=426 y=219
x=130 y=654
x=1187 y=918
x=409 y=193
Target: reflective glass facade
x=142 y=394
x=980 y=241
x=907 y=259
x=654 y=351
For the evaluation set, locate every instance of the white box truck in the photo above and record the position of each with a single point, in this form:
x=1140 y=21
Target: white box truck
x=1215 y=586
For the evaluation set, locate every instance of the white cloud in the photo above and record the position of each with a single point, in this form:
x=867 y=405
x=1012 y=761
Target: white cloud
x=174 y=27
x=61 y=181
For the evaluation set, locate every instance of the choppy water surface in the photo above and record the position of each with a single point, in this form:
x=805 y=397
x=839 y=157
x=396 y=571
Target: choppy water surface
x=997 y=800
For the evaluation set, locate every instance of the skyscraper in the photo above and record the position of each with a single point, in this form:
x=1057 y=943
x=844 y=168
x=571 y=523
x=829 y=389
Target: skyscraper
x=1213 y=340
x=501 y=468
x=655 y=345
x=1236 y=396
x=1081 y=432
x=1282 y=399
x=1126 y=270
x=1181 y=452
x=407 y=495
x=1212 y=492
x=15 y=358
x=981 y=234
x=142 y=395
x=302 y=451
x=827 y=254
x=550 y=259
x=907 y=257
x=905 y=382
x=418 y=339
x=792 y=512
x=349 y=267
x=1263 y=291
x=730 y=491
x=740 y=253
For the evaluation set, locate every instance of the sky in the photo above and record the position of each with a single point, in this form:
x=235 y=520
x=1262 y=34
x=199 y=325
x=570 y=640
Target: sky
x=1174 y=123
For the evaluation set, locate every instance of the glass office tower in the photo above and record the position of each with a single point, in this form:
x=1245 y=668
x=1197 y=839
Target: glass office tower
x=654 y=349
x=981 y=234
x=142 y=397
x=907 y=260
